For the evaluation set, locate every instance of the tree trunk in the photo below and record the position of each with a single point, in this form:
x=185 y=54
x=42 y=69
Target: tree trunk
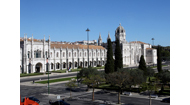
x=149 y=99
x=87 y=87
x=93 y=95
x=130 y=87
x=119 y=97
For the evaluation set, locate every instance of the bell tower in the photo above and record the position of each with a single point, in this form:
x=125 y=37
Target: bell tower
x=99 y=40
x=120 y=34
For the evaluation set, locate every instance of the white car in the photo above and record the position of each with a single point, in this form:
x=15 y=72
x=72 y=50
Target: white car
x=127 y=93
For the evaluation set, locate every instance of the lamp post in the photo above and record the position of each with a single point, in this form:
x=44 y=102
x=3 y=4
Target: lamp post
x=88 y=44
x=153 y=41
x=48 y=74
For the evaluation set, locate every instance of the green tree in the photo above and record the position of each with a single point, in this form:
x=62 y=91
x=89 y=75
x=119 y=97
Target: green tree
x=136 y=77
x=71 y=84
x=150 y=72
x=86 y=73
x=142 y=65
x=150 y=86
x=118 y=56
x=119 y=79
x=159 y=62
x=94 y=80
x=109 y=66
x=164 y=76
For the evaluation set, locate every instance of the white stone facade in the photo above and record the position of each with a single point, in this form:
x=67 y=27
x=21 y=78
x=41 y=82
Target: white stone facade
x=34 y=54
x=132 y=51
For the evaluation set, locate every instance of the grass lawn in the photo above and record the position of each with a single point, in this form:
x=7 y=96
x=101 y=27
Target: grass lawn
x=31 y=74
x=59 y=71
x=56 y=80
x=73 y=70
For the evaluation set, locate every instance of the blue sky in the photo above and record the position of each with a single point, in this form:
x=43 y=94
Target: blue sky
x=67 y=20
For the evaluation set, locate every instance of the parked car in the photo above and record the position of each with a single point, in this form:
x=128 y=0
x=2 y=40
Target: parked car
x=127 y=93
x=166 y=100
x=60 y=102
x=154 y=96
x=32 y=98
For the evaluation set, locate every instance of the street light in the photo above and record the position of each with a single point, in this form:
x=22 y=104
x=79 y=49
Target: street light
x=153 y=41
x=48 y=74
x=88 y=44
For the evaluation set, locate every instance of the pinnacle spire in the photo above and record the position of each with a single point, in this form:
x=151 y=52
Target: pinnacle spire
x=109 y=36
x=100 y=36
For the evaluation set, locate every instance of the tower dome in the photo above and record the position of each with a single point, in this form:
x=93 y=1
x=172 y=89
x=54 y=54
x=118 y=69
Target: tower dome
x=120 y=33
x=120 y=29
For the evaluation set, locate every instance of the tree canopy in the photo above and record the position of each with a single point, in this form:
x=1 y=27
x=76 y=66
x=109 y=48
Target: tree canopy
x=118 y=56
x=142 y=65
x=159 y=62
x=109 y=66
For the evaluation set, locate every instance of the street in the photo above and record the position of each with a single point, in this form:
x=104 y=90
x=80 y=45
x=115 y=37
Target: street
x=81 y=96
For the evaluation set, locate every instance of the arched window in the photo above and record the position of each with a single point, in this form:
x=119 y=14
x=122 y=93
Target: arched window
x=75 y=54
x=69 y=54
x=85 y=54
x=75 y=64
x=46 y=54
x=57 y=55
x=80 y=54
x=64 y=65
x=51 y=54
x=94 y=54
x=28 y=54
x=57 y=66
x=90 y=54
x=63 y=54
x=51 y=65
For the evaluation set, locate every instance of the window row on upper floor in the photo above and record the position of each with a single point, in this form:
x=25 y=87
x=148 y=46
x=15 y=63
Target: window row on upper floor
x=80 y=54
x=38 y=54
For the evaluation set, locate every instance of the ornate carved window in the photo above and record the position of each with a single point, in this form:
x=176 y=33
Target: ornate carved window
x=37 y=54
